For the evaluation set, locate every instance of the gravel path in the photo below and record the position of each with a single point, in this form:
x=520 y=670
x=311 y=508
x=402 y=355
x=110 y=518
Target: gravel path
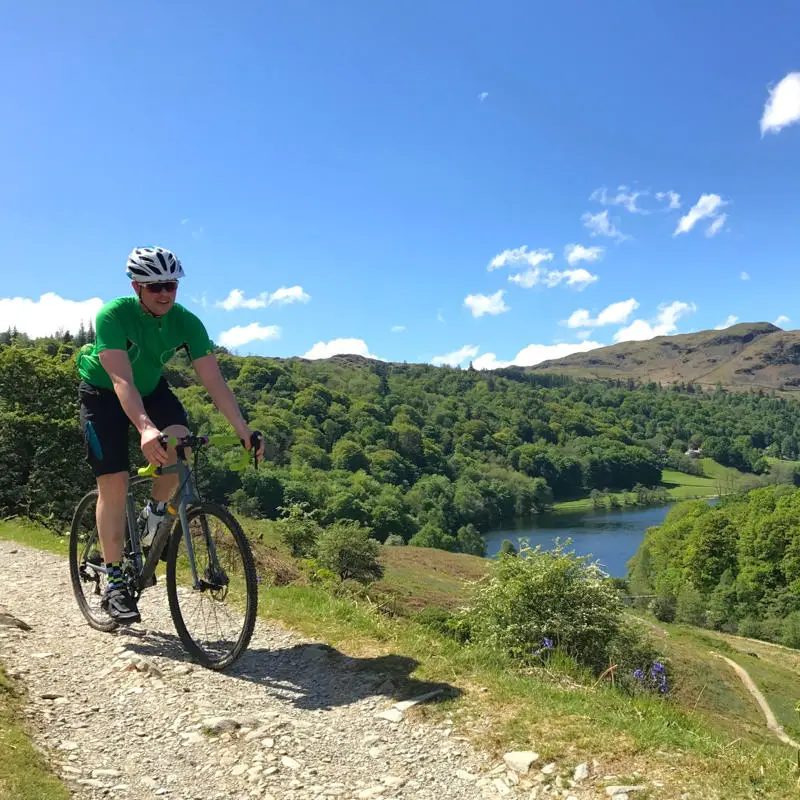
x=125 y=714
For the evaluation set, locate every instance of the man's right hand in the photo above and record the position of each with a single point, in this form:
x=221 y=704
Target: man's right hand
x=152 y=448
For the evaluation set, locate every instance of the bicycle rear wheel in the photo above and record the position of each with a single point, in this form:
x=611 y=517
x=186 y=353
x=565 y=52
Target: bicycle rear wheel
x=86 y=566
x=216 y=621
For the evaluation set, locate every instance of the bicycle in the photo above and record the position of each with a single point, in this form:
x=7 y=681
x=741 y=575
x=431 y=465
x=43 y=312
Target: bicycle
x=187 y=577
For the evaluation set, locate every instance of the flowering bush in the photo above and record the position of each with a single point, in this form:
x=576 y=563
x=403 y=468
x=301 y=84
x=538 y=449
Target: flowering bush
x=549 y=600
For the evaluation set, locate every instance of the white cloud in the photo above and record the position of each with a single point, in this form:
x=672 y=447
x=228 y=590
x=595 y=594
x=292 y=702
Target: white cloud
x=600 y=225
x=283 y=296
x=782 y=320
x=482 y=96
x=439 y=316
x=339 y=347
x=575 y=253
x=706 y=207
x=529 y=278
x=582 y=335
x=783 y=105
x=457 y=356
x=289 y=294
x=236 y=299
x=201 y=301
x=519 y=257
x=576 y=278
x=665 y=323
x=480 y=304
x=242 y=334
x=731 y=320
x=614 y=314
x=673 y=197
x=47 y=315
x=624 y=197
x=534 y=354
x=716 y=226
x=398 y=328
x=745 y=276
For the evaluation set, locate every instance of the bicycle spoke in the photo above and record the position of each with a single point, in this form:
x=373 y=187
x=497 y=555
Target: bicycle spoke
x=215 y=621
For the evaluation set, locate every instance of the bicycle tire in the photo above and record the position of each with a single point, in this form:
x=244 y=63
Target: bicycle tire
x=251 y=586
x=104 y=623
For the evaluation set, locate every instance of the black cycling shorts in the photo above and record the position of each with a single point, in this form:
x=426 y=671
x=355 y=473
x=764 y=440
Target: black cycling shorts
x=105 y=425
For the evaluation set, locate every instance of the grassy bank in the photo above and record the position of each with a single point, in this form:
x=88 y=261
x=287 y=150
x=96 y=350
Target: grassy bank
x=716 y=480
x=23 y=772
x=707 y=739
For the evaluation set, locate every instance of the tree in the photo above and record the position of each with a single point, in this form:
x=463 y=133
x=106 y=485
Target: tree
x=468 y=540
x=690 y=607
x=431 y=535
x=346 y=549
x=348 y=455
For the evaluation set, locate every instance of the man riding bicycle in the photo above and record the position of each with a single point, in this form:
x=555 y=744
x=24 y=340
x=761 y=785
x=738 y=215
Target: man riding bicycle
x=122 y=383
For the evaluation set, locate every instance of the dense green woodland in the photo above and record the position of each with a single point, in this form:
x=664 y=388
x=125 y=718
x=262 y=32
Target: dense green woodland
x=434 y=455
x=734 y=566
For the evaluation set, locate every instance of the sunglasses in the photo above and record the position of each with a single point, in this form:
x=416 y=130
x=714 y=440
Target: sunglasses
x=161 y=286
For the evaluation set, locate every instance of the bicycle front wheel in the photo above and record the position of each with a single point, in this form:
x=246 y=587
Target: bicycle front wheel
x=214 y=620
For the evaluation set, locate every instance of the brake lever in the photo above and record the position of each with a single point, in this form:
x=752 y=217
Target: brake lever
x=255 y=440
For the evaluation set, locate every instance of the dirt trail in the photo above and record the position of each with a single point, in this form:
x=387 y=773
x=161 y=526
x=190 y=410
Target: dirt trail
x=772 y=722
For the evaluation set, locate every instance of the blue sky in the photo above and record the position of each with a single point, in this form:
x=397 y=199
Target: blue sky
x=356 y=166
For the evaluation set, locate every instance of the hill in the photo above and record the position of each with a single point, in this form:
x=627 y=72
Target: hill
x=748 y=355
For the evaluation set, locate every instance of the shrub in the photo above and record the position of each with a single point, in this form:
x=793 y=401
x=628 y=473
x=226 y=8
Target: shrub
x=299 y=531
x=549 y=595
x=444 y=623
x=347 y=549
x=395 y=540
x=790 y=630
x=663 y=607
x=507 y=548
x=750 y=627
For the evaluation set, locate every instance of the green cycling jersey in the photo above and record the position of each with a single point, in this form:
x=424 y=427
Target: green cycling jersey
x=123 y=324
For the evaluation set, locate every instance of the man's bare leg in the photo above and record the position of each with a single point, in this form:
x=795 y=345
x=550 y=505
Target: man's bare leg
x=165 y=485
x=110 y=514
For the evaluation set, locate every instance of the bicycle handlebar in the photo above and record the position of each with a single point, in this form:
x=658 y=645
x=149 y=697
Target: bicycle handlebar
x=196 y=442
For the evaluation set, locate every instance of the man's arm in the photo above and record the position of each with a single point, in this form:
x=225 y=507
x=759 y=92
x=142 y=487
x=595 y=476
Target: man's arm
x=118 y=367
x=207 y=371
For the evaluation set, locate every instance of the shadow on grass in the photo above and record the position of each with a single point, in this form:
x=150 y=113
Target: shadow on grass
x=309 y=676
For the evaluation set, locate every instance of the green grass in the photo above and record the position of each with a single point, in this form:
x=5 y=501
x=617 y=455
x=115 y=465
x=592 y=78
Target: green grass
x=679 y=486
x=23 y=772
x=19 y=530
x=708 y=738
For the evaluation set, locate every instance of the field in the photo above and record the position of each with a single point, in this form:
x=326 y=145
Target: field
x=679 y=485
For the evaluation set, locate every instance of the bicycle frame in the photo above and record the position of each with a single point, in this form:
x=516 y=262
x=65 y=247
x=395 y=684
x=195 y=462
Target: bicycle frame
x=187 y=493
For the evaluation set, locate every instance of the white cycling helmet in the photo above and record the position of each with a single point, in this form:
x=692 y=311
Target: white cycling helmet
x=151 y=264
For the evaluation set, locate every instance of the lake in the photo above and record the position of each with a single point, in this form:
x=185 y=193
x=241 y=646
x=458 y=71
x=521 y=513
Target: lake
x=610 y=537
